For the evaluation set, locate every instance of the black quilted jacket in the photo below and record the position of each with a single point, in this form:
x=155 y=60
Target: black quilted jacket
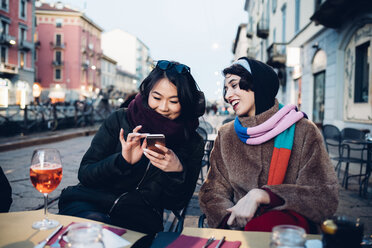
x=133 y=196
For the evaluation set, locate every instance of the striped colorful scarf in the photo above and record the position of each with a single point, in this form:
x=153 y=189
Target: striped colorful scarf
x=281 y=126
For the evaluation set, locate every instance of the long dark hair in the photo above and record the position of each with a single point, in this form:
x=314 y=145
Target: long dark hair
x=187 y=89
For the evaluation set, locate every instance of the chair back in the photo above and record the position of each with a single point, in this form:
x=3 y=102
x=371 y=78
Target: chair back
x=228 y=119
x=352 y=134
x=201 y=131
x=206 y=126
x=331 y=135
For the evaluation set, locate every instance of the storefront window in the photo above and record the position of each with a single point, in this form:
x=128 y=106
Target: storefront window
x=361 y=73
x=318 y=109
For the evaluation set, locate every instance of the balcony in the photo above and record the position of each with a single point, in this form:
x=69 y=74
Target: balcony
x=85 y=65
x=276 y=55
x=5 y=39
x=58 y=45
x=334 y=13
x=57 y=63
x=263 y=28
x=25 y=45
x=8 y=68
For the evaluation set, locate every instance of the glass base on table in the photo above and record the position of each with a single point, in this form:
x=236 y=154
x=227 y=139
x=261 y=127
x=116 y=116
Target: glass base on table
x=45 y=224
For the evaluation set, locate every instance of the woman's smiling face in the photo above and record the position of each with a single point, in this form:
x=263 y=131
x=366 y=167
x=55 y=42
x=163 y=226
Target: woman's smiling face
x=242 y=101
x=163 y=98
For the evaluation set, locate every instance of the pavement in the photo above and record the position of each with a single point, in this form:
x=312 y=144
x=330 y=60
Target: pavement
x=15 y=154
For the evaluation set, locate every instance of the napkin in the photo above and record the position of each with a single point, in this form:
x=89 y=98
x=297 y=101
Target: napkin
x=190 y=242
x=115 y=230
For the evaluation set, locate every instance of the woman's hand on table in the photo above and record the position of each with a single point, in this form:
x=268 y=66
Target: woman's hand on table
x=245 y=209
x=131 y=149
x=167 y=162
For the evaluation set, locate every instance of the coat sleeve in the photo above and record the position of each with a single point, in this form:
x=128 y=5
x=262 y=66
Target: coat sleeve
x=101 y=165
x=180 y=186
x=216 y=194
x=5 y=193
x=315 y=191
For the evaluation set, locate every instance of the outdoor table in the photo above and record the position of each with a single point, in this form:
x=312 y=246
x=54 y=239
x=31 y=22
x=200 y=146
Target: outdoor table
x=16 y=230
x=363 y=188
x=248 y=239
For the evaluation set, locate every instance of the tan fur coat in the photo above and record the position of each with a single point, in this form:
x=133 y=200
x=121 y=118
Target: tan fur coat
x=309 y=188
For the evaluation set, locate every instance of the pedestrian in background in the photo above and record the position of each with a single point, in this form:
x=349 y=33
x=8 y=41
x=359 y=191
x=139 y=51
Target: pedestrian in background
x=269 y=166
x=123 y=183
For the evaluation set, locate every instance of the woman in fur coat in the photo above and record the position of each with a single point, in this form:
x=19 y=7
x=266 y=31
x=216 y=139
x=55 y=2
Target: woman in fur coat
x=269 y=166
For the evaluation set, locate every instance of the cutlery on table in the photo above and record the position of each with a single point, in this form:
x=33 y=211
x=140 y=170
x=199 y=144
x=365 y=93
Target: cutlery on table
x=43 y=243
x=221 y=242
x=209 y=241
x=56 y=243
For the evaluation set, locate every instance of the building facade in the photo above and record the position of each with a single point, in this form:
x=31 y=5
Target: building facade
x=321 y=52
x=16 y=52
x=108 y=72
x=241 y=43
x=131 y=54
x=68 y=53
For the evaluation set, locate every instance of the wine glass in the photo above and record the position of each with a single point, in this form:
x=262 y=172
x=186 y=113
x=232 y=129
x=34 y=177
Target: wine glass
x=45 y=175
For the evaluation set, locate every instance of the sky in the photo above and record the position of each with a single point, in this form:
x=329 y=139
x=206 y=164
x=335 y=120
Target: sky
x=198 y=33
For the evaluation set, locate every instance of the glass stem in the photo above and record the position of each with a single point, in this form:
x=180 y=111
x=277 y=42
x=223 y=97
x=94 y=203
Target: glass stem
x=46 y=207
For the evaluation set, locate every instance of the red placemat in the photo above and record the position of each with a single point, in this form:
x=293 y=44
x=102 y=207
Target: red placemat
x=184 y=241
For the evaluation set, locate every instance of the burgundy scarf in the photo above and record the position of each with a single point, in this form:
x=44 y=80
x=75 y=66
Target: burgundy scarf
x=175 y=131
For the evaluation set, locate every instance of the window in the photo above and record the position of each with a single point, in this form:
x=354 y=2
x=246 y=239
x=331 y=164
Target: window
x=82 y=73
x=22 y=34
x=284 y=21
x=22 y=9
x=4 y=27
x=59 y=22
x=284 y=12
x=318 y=101
x=297 y=16
x=4 y=4
x=58 y=40
x=58 y=57
x=273 y=5
x=3 y=55
x=22 y=59
x=57 y=74
x=362 y=73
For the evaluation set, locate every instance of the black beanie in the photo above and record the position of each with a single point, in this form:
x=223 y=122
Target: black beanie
x=265 y=84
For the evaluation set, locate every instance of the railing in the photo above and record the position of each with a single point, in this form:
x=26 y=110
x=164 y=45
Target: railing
x=276 y=55
x=57 y=63
x=263 y=28
x=26 y=45
x=32 y=118
x=6 y=38
x=58 y=45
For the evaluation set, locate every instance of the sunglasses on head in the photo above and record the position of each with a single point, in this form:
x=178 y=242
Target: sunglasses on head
x=166 y=65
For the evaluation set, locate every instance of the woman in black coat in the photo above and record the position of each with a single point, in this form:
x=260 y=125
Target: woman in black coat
x=121 y=181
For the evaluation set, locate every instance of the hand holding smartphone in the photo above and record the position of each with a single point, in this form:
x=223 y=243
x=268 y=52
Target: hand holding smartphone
x=153 y=139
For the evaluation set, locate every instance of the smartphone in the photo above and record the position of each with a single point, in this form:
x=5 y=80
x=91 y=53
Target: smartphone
x=153 y=139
